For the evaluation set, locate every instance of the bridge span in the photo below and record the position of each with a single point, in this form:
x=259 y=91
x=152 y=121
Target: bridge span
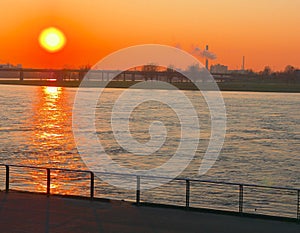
x=66 y=75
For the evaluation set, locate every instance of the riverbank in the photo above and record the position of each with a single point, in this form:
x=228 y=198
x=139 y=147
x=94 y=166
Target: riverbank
x=28 y=212
x=223 y=86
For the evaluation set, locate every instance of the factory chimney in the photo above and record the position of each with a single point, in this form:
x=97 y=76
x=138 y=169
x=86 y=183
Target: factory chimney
x=243 y=64
x=206 y=61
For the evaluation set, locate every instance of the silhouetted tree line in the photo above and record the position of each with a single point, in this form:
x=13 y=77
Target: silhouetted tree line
x=154 y=72
x=290 y=73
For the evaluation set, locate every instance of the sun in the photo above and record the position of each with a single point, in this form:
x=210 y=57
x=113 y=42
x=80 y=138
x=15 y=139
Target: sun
x=52 y=39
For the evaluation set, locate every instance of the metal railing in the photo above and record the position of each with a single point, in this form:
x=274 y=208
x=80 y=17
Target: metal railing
x=48 y=172
x=241 y=193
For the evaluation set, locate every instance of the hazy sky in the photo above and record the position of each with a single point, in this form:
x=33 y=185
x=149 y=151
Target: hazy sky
x=265 y=31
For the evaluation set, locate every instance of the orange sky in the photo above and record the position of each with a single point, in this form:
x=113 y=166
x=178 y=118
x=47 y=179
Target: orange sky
x=265 y=31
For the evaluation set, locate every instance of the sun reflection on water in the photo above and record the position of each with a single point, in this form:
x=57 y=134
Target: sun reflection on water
x=51 y=142
x=52 y=92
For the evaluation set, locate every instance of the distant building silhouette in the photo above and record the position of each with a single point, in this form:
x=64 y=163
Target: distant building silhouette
x=297 y=72
x=10 y=66
x=218 y=68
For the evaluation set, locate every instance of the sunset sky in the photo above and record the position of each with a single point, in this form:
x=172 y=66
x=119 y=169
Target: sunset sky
x=266 y=32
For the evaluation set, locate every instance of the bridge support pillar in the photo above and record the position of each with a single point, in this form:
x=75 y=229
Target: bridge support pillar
x=21 y=75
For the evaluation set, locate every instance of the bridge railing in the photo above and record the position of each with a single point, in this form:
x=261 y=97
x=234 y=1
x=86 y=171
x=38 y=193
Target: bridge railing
x=189 y=193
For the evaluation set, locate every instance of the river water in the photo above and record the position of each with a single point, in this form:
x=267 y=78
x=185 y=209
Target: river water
x=262 y=141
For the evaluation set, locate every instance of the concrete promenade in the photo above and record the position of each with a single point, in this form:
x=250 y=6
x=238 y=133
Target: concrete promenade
x=25 y=212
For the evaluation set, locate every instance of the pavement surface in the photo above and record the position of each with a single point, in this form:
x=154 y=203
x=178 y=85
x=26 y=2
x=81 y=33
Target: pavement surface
x=25 y=212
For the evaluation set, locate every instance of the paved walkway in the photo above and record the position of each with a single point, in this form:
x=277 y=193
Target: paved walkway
x=22 y=212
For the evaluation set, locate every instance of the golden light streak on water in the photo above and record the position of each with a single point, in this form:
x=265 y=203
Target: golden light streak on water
x=52 y=132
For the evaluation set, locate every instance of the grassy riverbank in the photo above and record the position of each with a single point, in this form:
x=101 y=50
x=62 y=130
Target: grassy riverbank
x=224 y=86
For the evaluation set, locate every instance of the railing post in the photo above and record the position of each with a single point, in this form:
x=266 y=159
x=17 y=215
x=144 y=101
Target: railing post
x=187 y=193
x=7 y=178
x=48 y=181
x=138 y=189
x=92 y=185
x=241 y=198
x=298 y=205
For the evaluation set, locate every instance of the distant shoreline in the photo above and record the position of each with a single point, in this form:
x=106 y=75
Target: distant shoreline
x=223 y=86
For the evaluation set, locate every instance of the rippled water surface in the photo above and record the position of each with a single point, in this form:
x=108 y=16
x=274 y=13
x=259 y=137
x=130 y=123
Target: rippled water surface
x=262 y=142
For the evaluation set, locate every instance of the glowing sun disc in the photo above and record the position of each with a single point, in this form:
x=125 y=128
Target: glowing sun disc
x=52 y=39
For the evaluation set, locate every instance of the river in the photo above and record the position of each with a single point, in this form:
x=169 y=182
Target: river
x=261 y=146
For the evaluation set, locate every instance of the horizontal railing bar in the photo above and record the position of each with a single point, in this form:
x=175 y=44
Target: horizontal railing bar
x=157 y=177
x=52 y=168
x=246 y=185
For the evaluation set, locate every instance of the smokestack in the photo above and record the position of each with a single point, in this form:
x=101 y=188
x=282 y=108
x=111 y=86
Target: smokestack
x=206 y=61
x=243 y=65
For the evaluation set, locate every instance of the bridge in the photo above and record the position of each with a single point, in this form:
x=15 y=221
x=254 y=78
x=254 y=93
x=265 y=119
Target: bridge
x=66 y=75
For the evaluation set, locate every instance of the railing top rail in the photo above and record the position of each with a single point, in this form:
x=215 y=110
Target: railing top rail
x=51 y=168
x=156 y=177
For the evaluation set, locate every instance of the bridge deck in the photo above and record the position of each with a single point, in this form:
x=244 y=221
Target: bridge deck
x=24 y=212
